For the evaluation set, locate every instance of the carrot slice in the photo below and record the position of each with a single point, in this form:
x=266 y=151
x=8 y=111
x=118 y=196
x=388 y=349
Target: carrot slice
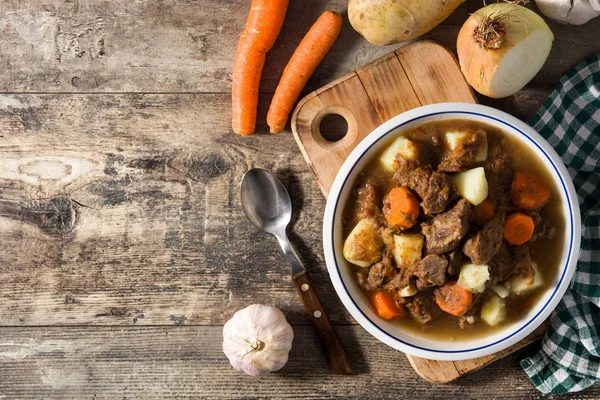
x=453 y=299
x=528 y=192
x=385 y=306
x=401 y=207
x=262 y=28
x=483 y=212
x=304 y=61
x=518 y=228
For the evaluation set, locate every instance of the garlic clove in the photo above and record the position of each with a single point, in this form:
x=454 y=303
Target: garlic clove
x=257 y=339
x=574 y=12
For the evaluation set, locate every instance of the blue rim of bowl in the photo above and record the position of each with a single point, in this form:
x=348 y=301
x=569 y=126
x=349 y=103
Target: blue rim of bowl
x=564 y=188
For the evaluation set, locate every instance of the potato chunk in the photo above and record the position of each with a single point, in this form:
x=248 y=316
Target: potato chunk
x=456 y=139
x=473 y=277
x=501 y=290
x=408 y=248
x=472 y=185
x=521 y=283
x=402 y=146
x=363 y=246
x=409 y=290
x=493 y=310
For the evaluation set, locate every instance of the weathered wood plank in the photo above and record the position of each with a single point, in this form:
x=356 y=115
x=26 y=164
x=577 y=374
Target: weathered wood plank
x=121 y=209
x=188 y=46
x=188 y=362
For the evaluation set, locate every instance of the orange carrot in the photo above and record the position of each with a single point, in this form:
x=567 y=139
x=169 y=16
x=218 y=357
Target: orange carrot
x=401 y=207
x=527 y=192
x=483 y=212
x=385 y=306
x=518 y=228
x=262 y=28
x=304 y=61
x=453 y=299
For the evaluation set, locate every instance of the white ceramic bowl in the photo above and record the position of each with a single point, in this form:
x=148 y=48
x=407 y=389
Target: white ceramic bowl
x=348 y=289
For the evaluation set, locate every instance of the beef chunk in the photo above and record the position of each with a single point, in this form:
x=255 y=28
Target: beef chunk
x=482 y=246
x=423 y=284
x=413 y=174
x=464 y=156
x=379 y=272
x=543 y=230
x=415 y=179
x=502 y=264
x=366 y=202
x=440 y=193
x=499 y=173
x=398 y=281
x=374 y=277
x=432 y=268
x=423 y=308
x=522 y=261
x=455 y=259
x=445 y=231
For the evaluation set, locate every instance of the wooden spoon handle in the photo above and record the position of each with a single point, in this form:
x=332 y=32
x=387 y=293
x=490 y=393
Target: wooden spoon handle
x=340 y=364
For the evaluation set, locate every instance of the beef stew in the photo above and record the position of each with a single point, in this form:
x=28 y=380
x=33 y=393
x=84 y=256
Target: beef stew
x=460 y=225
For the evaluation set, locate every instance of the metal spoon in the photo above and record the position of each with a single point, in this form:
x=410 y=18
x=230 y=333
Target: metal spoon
x=267 y=205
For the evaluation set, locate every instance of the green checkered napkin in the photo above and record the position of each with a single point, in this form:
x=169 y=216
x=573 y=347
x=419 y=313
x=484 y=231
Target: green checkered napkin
x=569 y=360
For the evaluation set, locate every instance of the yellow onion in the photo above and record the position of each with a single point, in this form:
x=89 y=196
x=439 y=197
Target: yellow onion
x=501 y=47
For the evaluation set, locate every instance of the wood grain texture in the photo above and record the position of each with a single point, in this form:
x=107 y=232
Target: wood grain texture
x=188 y=363
x=119 y=210
x=123 y=209
x=188 y=46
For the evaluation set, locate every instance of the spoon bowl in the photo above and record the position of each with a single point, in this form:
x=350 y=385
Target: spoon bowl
x=265 y=201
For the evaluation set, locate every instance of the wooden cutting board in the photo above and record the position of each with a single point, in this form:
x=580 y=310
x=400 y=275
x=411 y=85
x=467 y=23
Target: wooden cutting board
x=421 y=73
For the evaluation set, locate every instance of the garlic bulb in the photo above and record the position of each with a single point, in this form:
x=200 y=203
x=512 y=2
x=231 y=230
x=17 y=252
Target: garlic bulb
x=574 y=12
x=257 y=339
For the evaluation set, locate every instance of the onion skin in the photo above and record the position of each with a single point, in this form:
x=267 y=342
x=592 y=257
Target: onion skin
x=481 y=66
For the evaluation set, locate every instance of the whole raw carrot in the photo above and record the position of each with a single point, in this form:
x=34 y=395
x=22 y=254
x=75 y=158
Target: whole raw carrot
x=304 y=61
x=262 y=28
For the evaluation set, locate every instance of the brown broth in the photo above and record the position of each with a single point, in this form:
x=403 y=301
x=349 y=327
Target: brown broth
x=546 y=253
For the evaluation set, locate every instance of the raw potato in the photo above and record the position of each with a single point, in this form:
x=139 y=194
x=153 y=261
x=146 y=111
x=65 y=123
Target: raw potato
x=521 y=284
x=363 y=245
x=501 y=290
x=472 y=185
x=454 y=139
x=403 y=146
x=473 y=277
x=493 y=311
x=408 y=291
x=408 y=248
x=384 y=22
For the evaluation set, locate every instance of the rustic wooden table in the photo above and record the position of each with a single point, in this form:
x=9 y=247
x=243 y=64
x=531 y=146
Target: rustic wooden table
x=123 y=247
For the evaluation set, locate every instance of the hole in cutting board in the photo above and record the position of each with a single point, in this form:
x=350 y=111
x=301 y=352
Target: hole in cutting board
x=333 y=127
